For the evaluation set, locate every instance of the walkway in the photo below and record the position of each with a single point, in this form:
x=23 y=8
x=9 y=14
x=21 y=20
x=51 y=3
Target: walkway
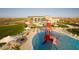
x=28 y=44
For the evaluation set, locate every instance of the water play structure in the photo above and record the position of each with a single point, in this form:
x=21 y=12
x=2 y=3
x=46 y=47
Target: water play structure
x=48 y=36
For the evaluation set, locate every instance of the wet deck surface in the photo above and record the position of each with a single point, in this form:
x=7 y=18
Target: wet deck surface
x=66 y=42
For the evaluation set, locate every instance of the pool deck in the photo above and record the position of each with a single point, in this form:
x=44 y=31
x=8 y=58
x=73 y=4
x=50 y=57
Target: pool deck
x=66 y=32
x=28 y=44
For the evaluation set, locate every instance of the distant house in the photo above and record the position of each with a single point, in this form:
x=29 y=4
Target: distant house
x=37 y=20
x=51 y=19
x=41 y=20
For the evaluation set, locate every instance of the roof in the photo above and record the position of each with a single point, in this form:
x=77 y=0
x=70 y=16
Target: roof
x=7 y=39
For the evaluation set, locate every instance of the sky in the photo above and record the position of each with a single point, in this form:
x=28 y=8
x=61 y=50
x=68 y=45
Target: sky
x=25 y=12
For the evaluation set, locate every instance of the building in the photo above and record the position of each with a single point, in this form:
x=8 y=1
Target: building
x=41 y=20
x=37 y=20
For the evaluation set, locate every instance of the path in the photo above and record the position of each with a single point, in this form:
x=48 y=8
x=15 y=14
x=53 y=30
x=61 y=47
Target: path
x=28 y=44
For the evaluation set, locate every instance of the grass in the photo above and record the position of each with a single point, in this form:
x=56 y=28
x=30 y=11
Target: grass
x=63 y=26
x=11 y=30
x=74 y=31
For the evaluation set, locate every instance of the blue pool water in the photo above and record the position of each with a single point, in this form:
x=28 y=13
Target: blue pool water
x=66 y=42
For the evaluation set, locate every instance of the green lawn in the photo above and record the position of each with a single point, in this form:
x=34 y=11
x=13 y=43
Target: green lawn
x=63 y=26
x=11 y=30
x=74 y=31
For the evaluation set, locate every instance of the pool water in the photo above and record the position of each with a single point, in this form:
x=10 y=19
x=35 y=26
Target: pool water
x=66 y=42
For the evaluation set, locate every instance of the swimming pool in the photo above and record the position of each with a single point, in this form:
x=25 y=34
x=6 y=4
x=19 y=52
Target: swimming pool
x=66 y=42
